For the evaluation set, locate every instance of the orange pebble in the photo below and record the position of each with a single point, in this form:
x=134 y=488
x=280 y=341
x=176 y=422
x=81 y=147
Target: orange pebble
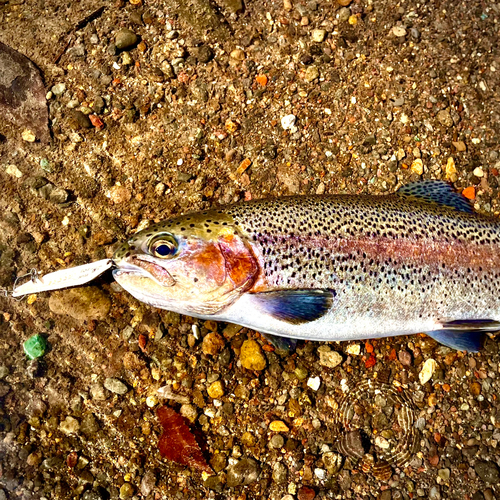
x=261 y=80
x=370 y=361
x=368 y=347
x=469 y=193
x=446 y=388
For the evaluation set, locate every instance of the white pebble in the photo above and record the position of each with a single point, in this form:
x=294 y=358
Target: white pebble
x=320 y=473
x=152 y=401
x=354 y=349
x=180 y=161
x=318 y=35
x=478 y=172
x=427 y=371
x=288 y=122
x=381 y=442
x=398 y=31
x=13 y=171
x=314 y=383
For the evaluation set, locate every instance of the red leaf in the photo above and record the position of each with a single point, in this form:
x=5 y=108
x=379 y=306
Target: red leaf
x=177 y=443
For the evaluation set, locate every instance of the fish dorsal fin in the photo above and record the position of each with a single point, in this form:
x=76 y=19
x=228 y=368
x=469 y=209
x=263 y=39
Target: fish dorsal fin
x=436 y=192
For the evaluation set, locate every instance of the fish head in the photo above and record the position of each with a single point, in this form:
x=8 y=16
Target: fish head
x=197 y=264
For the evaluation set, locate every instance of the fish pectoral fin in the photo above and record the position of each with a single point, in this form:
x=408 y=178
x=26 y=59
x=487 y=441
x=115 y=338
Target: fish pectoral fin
x=294 y=306
x=434 y=191
x=283 y=344
x=465 y=335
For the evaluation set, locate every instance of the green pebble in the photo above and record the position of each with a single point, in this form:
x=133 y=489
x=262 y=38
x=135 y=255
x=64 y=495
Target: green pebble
x=35 y=346
x=45 y=164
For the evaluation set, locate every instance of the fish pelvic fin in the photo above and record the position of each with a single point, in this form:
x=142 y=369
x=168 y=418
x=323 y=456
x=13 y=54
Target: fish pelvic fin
x=295 y=306
x=465 y=335
x=435 y=192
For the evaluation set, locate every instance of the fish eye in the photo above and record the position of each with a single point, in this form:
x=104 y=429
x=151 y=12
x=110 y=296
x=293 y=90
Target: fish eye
x=163 y=246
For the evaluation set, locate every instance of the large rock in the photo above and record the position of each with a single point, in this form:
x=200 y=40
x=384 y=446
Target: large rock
x=83 y=303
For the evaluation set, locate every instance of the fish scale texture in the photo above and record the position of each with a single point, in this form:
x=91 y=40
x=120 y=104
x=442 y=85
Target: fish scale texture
x=388 y=253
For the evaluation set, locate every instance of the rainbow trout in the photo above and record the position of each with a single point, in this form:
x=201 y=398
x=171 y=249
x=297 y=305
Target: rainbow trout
x=328 y=267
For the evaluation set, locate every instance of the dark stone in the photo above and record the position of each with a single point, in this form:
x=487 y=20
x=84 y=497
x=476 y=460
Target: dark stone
x=488 y=472
x=79 y=120
x=204 y=54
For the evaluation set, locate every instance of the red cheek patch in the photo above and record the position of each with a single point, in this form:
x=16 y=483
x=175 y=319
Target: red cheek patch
x=240 y=264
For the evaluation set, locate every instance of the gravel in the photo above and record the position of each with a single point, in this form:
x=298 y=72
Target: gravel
x=306 y=97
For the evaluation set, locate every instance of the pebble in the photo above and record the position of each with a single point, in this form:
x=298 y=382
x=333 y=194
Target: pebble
x=460 y=146
x=488 y=472
x=216 y=389
x=237 y=55
x=478 y=172
x=245 y=472
x=280 y=473
x=28 y=135
x=115 y=385
x=125 y=39
x=97 y=392
x=204 y=54
x=450 y=168
x=33 y=460
x=126 y=491
x=13 y=171
x=58 y=89
x=79 y=120
x=89 y=425
x=306 y=493
x=82 y=303
x=69 y=426
x=35 y=346
x=427 y=371
x=119 y=194
x=251 y=356
x=58 y=195
x=311 y=73
x=278 y=426
x=354 y=350
x=329 y=358
x=399 y=31
x=475 y=388
x=4 y=371
x=233 y=6
x=404 y=358
x=434 y=493
x=318 y=35
x=445 y=118
x=314 y=383
x=213 y=343
x=148 y=482
x=126 y=59
x=417 y=166
x=444 y=474
x=189 y=411
x=277 y=441
x=344 y=14
x=288 y=122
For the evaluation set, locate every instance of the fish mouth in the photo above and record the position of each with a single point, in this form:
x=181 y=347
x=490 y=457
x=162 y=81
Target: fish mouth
x=145 y=266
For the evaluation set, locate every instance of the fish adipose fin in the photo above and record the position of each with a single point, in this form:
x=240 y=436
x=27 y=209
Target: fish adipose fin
x=465 y=335
x=433 y=191
x=295 y=306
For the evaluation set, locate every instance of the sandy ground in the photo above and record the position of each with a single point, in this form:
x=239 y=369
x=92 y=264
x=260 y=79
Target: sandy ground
x=189 y=109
